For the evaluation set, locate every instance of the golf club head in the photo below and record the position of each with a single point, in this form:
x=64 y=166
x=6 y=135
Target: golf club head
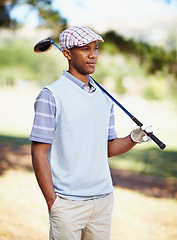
x=43 y=45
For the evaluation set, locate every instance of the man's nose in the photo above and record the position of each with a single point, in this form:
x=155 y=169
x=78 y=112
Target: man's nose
x=93 y=54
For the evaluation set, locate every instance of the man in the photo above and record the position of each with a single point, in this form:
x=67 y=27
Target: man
x=73 y=134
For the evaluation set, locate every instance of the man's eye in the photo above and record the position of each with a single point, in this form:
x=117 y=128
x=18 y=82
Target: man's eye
x=96 y=46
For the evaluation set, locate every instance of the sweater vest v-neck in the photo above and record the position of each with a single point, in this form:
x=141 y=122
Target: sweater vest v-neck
x=78 y=153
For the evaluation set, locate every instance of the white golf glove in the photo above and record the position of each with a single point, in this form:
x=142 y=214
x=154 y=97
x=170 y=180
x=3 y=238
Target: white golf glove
x=139 y=136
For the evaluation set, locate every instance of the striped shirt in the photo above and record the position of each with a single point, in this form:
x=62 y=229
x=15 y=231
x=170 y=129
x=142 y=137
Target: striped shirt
x=45 y=113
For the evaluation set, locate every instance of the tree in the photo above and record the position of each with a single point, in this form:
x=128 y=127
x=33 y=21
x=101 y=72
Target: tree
x=49 y=17
x=5 y=20
x=154 y=58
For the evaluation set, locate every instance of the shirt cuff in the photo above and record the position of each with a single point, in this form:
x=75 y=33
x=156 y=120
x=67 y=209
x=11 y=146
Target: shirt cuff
x=42 y=140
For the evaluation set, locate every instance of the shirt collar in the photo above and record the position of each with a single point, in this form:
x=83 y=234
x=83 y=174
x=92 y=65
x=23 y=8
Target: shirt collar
x=77 y=81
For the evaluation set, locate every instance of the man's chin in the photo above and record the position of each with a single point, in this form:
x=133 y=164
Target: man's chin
x=92 y=71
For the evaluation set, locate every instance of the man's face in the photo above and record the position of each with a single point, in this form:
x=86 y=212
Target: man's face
x=83 y=59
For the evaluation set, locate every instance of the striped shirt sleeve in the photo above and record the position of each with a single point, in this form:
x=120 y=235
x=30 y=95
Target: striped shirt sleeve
x=112 y=132
x=44 y=119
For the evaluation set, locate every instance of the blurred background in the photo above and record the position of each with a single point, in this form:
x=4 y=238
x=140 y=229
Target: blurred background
x=137 y=63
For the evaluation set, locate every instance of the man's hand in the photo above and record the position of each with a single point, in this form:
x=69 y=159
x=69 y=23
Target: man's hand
x=50 y=203
x=139 y=136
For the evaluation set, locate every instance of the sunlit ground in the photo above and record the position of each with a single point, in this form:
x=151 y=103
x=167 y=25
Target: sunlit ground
x=23 y=212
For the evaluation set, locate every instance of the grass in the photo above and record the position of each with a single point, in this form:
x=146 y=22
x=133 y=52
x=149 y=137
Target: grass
x=138 y=217
x=151 y=161
x=10 y=140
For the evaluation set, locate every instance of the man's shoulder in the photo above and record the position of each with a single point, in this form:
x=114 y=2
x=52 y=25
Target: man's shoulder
x=54 y=85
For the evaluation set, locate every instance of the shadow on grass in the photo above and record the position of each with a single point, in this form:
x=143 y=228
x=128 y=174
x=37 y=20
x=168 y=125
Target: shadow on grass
x=150 y=161
x=14 y=153
x=150 y=171
x=14 y=140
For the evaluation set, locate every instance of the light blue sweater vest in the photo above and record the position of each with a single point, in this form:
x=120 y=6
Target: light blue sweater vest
x=78 y=154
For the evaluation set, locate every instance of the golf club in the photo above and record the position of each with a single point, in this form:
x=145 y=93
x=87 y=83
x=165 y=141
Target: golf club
x=46 y=44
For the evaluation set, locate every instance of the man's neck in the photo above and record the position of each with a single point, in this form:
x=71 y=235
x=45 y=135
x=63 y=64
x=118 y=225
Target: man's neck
x=81 y=77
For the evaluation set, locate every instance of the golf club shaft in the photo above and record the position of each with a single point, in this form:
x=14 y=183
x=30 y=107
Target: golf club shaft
x=55 y=44
x=151 y=135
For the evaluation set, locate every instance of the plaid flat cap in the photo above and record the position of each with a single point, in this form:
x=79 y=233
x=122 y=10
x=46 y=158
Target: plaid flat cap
x=77 y=36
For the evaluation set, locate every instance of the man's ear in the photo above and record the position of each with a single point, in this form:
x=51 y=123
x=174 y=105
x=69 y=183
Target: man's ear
x=67 y=54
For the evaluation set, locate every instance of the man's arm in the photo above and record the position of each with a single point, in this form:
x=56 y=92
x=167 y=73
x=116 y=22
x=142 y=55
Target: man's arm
x=122 y=145
x=42 y=171
x=119 y=146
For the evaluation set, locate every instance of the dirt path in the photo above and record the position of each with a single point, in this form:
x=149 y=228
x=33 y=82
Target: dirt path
x=18 y=157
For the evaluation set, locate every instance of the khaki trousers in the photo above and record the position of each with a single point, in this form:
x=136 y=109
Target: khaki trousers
x=81 y=220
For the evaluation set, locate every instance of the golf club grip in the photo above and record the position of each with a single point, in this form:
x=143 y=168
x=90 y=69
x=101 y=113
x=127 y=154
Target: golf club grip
x=151 y=135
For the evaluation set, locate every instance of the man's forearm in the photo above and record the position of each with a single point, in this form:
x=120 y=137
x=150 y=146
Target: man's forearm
x=119 y=146
x=43 y=173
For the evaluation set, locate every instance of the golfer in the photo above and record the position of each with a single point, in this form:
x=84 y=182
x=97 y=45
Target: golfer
x=73 y=135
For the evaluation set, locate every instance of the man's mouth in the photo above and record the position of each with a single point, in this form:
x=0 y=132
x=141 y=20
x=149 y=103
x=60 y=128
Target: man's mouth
x=92 y=64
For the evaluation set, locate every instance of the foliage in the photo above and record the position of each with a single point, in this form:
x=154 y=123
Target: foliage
x=48 y=16
x=152 y=58
x=5 y=20
x=20 y=62
x=151 y=69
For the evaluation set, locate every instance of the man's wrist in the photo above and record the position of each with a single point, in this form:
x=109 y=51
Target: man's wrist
x=51 y=201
